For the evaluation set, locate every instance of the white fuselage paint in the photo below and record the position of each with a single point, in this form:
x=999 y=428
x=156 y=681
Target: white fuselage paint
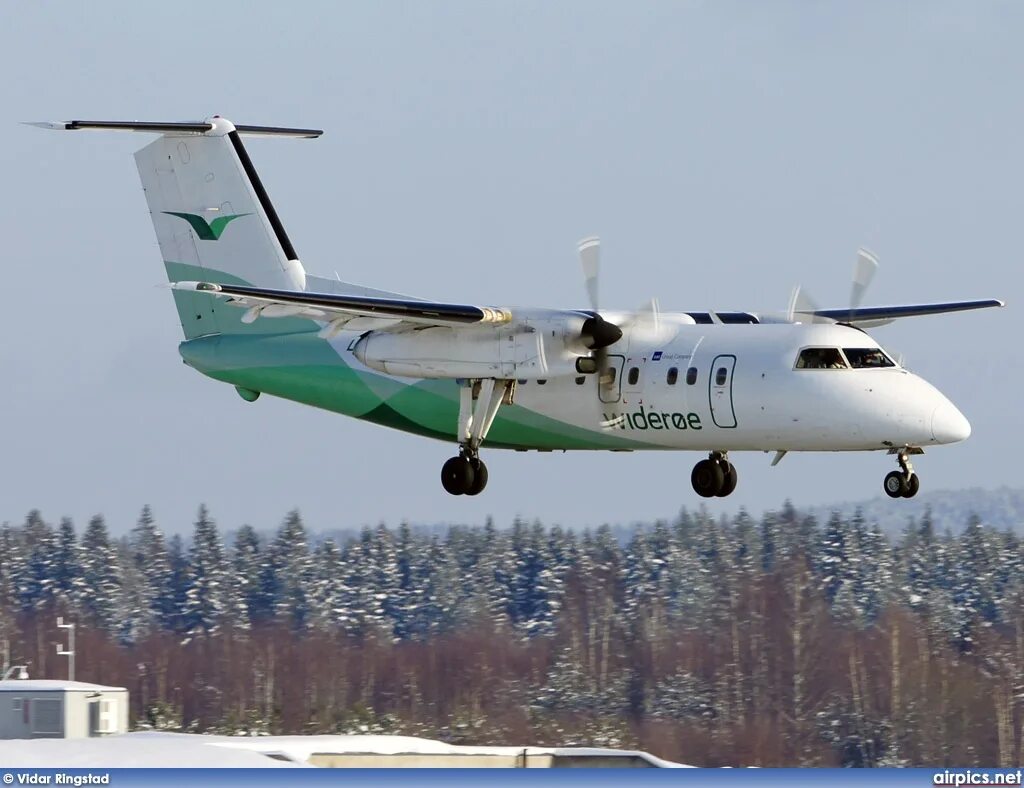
x=766 y=403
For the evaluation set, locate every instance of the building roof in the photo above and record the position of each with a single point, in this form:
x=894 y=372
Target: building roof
x=302 y=748
x=53 y=685
x=160 y=749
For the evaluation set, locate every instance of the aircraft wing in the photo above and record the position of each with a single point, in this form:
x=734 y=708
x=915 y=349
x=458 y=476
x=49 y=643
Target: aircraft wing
x=340 y=309
x=868 y=316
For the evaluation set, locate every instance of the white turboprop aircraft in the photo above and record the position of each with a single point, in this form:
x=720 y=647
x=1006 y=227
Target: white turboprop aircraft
x=518 y=378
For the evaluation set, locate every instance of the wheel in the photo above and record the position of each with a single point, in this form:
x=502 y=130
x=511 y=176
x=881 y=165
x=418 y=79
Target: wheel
x=479 y=477
x=895 y=484
x=729 y=480
x=707 y=478
x=913 y=485
x=457 y=475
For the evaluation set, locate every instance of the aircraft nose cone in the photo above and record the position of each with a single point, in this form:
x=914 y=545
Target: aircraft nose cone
x=949 y=425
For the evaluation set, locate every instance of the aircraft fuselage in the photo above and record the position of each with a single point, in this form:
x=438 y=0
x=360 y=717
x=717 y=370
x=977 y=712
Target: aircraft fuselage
x=734 y=387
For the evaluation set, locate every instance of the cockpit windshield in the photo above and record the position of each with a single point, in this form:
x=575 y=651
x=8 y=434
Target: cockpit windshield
x=867 y=358
x=820 y=358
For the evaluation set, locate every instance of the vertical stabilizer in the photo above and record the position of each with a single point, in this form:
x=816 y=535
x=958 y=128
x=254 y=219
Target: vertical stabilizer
x=215 y=223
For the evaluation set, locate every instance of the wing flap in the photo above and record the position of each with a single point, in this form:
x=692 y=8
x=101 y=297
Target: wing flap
x=265 y=302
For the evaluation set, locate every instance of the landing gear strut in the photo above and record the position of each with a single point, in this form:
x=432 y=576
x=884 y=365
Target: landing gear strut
x=714 y=477
x=479 y=401
x=904 y=482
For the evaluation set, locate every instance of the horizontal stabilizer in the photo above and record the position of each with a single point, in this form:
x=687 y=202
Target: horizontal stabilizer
x=188 y=127
x=880 y=315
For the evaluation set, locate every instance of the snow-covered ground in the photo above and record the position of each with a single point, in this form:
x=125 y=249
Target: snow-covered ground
x=133 y=750
x=178 y=750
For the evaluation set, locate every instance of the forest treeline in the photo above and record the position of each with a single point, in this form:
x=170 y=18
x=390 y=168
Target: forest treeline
x=742 y=641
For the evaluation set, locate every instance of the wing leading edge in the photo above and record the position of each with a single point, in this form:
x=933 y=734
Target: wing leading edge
x=866 y=316
x=337 y=309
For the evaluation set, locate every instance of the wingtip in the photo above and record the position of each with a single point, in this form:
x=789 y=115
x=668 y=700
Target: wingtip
x=55 y=125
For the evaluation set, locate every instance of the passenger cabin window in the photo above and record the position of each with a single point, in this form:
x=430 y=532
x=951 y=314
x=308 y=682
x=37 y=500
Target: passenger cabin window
x=820 y=358
x=579 y=380
x=867 y=358
x=609 y=376
x=634 y=375
x=541 y=381
x=721 y=376
x=673 y=376
x=691 y=376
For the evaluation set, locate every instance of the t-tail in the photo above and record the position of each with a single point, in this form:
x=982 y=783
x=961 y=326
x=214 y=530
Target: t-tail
x=213 y=219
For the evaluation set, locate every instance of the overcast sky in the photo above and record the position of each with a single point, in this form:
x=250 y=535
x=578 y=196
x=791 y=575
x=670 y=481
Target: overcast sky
x=723 y=152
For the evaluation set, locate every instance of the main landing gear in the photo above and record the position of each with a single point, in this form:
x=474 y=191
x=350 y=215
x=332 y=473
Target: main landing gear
x=904 y=482
x=479 y=401
x=714 y=477
x=464 y=475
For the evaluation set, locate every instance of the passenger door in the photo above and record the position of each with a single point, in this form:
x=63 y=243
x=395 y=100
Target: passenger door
x=720 y=391
x=611 y=391
x=633 y=379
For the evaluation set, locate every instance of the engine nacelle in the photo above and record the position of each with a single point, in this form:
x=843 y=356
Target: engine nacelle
x=439 y=352
x=532 y=350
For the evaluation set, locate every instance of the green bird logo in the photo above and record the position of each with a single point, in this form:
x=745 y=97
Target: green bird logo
x=207 y=231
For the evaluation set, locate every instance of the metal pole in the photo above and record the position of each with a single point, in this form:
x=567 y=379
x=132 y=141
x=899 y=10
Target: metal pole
x=70 y=651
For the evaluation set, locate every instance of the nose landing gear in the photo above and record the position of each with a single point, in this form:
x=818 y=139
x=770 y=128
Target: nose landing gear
x=903 y=483
x=714 y=477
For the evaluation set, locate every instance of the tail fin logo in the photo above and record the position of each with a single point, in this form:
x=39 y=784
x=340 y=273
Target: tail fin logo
x=207 y=231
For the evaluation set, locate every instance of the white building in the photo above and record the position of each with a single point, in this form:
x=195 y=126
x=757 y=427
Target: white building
x=44 y=708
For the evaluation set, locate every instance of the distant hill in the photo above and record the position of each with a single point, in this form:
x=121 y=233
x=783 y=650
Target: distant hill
x=1002 y=508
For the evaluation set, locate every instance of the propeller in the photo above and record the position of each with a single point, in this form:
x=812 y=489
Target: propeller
x=597 y=334
x=864 y=271
x=590 y=262
x=801 y=304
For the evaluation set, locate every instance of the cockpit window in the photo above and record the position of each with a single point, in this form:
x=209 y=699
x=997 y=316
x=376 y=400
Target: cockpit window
x=867 y=357
x=820 y=358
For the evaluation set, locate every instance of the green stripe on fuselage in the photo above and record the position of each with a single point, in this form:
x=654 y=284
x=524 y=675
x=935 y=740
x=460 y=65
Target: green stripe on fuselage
x=305 y=368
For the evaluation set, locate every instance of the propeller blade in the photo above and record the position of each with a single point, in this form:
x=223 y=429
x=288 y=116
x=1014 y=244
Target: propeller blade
x=646 y=324
x=590 y=260
x=802 y=308
x=863 y=272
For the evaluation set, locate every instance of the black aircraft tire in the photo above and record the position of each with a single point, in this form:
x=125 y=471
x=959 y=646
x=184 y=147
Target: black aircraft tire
x=457 y=476
x=913 y=485
x=729 y=482
x=479 y=477
x=707 y=478
x=895 y=484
